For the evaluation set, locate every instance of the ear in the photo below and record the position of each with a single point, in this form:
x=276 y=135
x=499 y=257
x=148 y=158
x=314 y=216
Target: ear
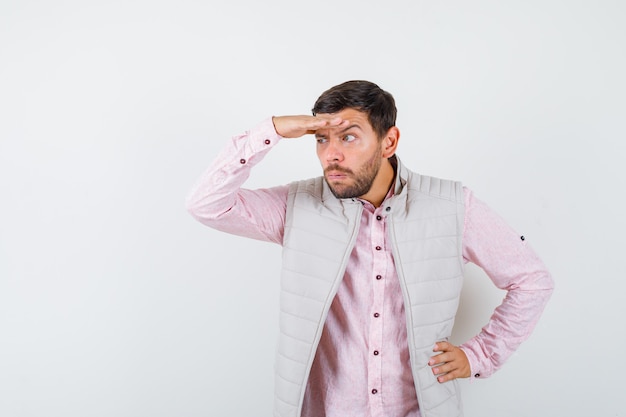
x=390 y=141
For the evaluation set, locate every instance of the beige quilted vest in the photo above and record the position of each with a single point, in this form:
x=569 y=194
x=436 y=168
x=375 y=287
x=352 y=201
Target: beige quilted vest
x=425 y=225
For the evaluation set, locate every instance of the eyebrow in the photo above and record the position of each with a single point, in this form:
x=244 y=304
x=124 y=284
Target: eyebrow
x=350 y=127
x=354 y=125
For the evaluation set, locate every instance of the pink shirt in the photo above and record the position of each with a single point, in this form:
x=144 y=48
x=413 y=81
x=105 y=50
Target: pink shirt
x=362 y=366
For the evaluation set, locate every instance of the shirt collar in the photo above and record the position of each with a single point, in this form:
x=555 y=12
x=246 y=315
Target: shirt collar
x=398 y=183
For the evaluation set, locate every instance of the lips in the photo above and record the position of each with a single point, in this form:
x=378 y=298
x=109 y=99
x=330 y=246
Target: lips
x=336 y=173
x=334 y=176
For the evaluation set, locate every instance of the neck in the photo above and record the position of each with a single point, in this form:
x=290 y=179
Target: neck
x=383 y=181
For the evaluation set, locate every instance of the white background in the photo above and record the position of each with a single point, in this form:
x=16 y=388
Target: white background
x=115 y=302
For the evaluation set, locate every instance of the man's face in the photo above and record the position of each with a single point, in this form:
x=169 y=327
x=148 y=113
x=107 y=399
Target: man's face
x=350 y=156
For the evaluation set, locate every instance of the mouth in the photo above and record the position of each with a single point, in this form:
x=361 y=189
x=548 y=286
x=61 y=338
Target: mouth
x=336 y=176
x=334 y=172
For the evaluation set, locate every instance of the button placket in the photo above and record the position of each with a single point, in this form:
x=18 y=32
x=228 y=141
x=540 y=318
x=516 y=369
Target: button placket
x=379 y=257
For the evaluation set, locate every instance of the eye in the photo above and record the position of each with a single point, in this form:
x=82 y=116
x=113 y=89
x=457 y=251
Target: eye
x=349 y=138
x=320 y=140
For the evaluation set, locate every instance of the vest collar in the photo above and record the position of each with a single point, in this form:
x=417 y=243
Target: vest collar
x=401 y=178
x=401 y=174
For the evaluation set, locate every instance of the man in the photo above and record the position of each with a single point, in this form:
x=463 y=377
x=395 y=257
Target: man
x=373 y=260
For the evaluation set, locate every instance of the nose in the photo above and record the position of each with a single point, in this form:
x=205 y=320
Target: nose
x=333 y=152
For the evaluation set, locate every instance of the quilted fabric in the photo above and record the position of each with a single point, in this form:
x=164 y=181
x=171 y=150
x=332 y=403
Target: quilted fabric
x=320 y=231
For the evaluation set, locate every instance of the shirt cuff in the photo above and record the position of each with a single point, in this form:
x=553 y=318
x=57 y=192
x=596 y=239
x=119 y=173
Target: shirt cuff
x=263 y=136
x=480 y=365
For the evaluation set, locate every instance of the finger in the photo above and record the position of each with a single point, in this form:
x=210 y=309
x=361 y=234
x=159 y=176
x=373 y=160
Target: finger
x=440 y=359
x=447 y=372
x=319 y=122
x=445 y=368
x=331 y=119
x=454 y=366
x=339 y=122
x=328 y=118
x=447 y=354
x=334 y=124
x=294 y=126
x=448 y=377
x=443 y=347
x=331 y=122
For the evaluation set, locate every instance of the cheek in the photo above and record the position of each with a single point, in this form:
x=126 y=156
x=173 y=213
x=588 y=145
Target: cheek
x=319 y=156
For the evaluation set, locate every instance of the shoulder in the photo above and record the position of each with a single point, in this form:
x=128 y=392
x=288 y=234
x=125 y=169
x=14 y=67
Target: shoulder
x=426 y=185
x=305 y=193
x=312 y=186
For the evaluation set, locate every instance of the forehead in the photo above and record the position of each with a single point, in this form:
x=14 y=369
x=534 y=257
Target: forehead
x=355 y=117
x=352 y=115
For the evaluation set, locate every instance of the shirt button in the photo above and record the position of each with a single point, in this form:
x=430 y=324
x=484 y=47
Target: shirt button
x=374 y=391
x=379 y=277
x=267 y=141
x=242 y=161
x=381 y=217
x=378 y=248
x=376 y=353
x=388 y=209
x=476 y=375
x=376 y=315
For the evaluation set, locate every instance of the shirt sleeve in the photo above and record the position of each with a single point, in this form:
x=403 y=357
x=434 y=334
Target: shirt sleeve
x=218 y=201
x=508 y=260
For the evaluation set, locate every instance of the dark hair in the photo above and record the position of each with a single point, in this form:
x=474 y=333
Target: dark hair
x=364 y=96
